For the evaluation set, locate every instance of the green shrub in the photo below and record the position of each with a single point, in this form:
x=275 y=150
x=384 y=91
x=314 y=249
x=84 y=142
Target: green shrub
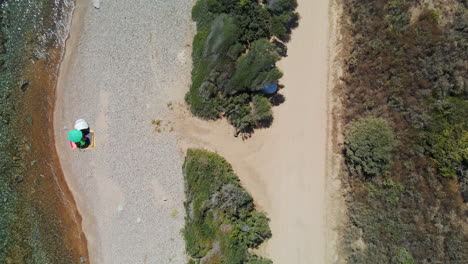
x=402 y=256
x=235 y=51
x=256 y=69
x=259 y=229
x=233 y=58
x=281 y=6
x=202 y=15
x=238 y=111
x=431 y=15
x=278 y=29
x=262 y=113
x=446 y=136
x=254 y=20
x=397 y=16
x=258 y=260
x=220 y=216
x=223 y=34
x=369 y=142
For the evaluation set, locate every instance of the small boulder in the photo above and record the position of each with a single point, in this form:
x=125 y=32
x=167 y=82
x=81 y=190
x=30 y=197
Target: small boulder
x=24 y=85
x=97 y=4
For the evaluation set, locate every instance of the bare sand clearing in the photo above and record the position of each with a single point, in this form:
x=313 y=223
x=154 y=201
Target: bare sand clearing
x=284 y=166
x=123 y=63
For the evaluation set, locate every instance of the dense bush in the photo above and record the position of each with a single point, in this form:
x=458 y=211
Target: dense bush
x=258 y=260
x=221 y=222
x=446 y=137
x=369 y=142
x=262 y=113
x=402 y=256
x=412 y=73
x=256 y=69
x=281 y=6
x=233 y=58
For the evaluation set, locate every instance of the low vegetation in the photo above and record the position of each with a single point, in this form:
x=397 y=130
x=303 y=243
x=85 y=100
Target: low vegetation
x=234 y=59
x=221 y=221
x=369 y=142
x=405 y=66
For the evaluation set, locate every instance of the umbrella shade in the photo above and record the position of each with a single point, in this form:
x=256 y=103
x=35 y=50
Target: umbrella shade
x=75 y=135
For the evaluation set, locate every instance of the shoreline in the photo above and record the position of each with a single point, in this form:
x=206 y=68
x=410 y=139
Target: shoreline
x=46 y=225
x=76 y=21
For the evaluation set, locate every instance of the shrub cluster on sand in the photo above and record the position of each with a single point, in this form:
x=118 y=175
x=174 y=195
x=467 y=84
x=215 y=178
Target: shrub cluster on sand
x=369 y=142
x=233 y=57
x=221 y=221
x=406 y=63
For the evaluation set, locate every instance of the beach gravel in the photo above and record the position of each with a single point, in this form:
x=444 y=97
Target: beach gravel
x=128 y=62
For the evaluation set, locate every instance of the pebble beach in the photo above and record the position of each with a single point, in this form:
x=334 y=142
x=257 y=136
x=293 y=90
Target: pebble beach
x=125 y=63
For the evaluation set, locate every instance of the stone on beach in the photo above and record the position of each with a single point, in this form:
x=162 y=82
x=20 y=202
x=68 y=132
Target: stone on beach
x=97 y=4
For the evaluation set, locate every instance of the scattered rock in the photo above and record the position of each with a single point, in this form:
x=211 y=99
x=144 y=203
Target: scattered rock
x=120 y=208
x=138 y=220
x=24 y=85
x=82 y=260
x=28 y=147
x=40 y=54
x=37 y=181
x=19 y=179
x=97 y=4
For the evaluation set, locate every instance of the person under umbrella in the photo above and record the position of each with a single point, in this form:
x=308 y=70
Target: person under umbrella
x=76 y=136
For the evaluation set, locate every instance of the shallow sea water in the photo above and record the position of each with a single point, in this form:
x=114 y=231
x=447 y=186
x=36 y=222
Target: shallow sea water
x=38 y=220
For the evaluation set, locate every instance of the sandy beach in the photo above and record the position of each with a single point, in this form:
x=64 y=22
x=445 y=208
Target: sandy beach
x=123 y=63
x=120 y=71
x=284 y=166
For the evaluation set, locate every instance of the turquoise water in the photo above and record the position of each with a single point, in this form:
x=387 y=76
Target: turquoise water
x=30 y=230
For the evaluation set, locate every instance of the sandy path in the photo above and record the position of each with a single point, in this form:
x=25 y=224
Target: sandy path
x=284 y=167
x=122 y=65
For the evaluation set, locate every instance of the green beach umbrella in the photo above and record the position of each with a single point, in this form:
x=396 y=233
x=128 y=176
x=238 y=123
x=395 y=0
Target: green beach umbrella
x=75 y=135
